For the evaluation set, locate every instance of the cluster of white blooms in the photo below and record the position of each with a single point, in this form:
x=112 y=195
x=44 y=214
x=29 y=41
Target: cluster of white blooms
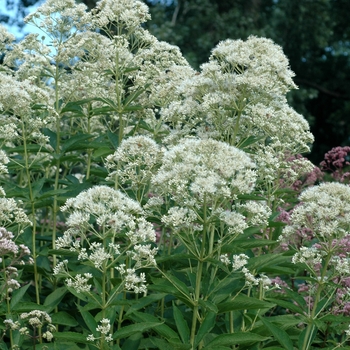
x=104 y=328
x=323 y=219
x=144 y=255
x=10 y=252
x=196 y=169
x=60 y=17
x=30 y=56
x=256 y=63
x=109 y=207
x=325 y=210
x=239 y=97
x=179 y=218
x=239 y=261
x=236 y=222
x=126 y=14
x=309 y=256
x=11 y=213
x=135 y=161
x=18 y=97
x=133 y=282
x=258 y=213
x=103 y=214
x=37 y=319
x=341 y=265
x=6 y=39
x=80 y=283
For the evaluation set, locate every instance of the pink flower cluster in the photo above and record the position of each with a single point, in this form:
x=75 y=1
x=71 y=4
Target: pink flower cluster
x=336 y=162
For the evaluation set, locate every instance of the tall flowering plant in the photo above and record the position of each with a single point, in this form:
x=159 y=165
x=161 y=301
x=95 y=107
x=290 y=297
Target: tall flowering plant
x=149 y=206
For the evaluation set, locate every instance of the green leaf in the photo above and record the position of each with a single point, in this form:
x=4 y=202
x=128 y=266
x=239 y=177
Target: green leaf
x=181 y=324
x=162 y=330
x=75 y=106
x=37 y=187
x=281 y=336
x=52 y=136
x=71 y=337
x=28 y=306
x=206 y=326
x=17 y=295
x=89 y=320
x=134 y=95
x=174 y=286
x=102 y=152
x=74 y=143
x=287 y=305
x=243 y=302
x=133 y=108
x=261 y=261
x=53 y=299
x=133 y=342
x=251 y=197
x=127 y=331
x=250 y=141
x=243 y=244
x=113 y=139
x=161 y=344
x=63 y=318
x=309 y=340
x=141 y=303
x=235 y=338
x=208 y=305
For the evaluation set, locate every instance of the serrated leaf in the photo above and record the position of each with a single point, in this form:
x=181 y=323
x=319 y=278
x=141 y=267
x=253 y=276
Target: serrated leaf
x=287 y=305
x=250 y=141
x=205 y=327
x=163 y=330
x=235 y=338
x=127 y=331
x=280 y=335
x=113 y=139
x=141 y=303
x=181 y=324
x=161 y=344
x=243 y=302
x=102 y=152
x=74 y=142
x=64 y=319
x=17 y=295
x=133 y=342
x=53 y=299
x=72 y=337
x=89 y=320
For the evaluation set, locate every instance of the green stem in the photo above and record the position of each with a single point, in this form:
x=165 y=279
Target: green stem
x=195 y=315
x=320 y=286
x=31 y=198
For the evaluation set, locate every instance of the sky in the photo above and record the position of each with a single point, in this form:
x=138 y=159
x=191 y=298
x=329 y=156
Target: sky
x=13 y=29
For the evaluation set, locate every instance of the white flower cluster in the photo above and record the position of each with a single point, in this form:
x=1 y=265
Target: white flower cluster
x=325 y=210
x=60 y=17
x=256 y=63
x=132 y=282
x=239 y=96
x=238 y=263
x=135 y=161
x=257 y=212
x=196 y=169
x=11 y=213
x=126 y=14
x=99 y=215
x=6 y=39
x=80 y=283
x=104 y=328
x=37 y=319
